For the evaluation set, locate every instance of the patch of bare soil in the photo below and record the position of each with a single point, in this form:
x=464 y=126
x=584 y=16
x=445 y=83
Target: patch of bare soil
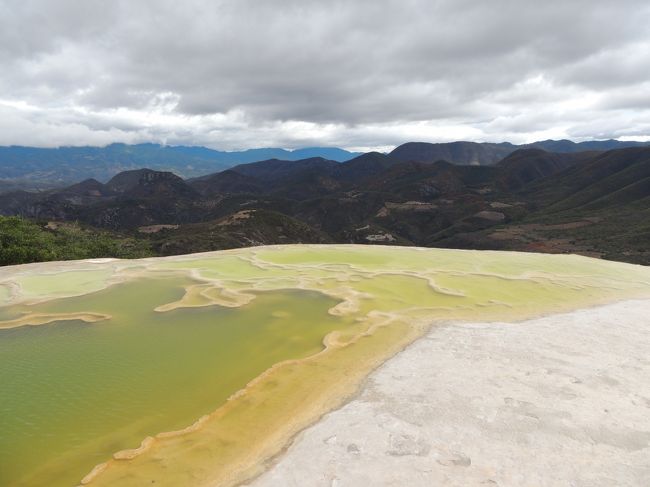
x=236 y=218
x=156 y=228
x=532 y=238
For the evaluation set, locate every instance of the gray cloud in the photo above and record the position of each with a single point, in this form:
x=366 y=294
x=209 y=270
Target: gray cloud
x=236 y=74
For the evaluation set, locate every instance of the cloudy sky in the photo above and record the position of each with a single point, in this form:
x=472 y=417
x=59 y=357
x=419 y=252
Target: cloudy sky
x=292 y=73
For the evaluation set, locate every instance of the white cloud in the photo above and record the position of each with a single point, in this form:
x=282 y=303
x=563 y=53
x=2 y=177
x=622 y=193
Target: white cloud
x=363 y=74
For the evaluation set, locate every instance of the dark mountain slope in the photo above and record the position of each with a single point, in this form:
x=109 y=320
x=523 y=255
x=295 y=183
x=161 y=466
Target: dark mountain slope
x=301 y=179
x=526 y=165
x=88 y=187
x=20 y=203
x=307 y=178
x=487 y=154
x=599 y=207
x=41 y=168
x=363 y=167
x=144 y=197
x=130 y=213
x=634 y=194
x=592 y=203
x=130 y=199
x=466 y=153
x=147 y=183
x=239 y=229
x=307 y=184
x=275 y=169
x=226 y=182
x=593 y=179
x=417 y=180
x=85 y=193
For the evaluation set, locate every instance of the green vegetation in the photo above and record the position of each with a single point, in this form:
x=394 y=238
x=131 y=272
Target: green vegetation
x=23 y=241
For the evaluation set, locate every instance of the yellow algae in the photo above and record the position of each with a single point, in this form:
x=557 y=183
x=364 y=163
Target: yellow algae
x=134 y=452
x=257 y=424
x=208 y=295
x=35 y=319
x=227 y=297
x=194 y=296
x=373 y=301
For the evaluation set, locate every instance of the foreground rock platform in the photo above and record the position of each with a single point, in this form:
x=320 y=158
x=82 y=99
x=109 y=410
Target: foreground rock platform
x=558 y=401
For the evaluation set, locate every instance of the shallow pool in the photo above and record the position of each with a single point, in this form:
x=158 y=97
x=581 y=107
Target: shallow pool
x=74 y=393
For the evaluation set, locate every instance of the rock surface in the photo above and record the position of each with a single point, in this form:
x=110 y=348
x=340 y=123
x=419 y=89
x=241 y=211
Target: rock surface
x=558 y=401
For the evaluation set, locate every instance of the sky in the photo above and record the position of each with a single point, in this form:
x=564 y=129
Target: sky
x=362 y=74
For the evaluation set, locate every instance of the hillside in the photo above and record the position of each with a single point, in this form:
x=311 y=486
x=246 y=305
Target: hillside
x=594 y=203
x=598 y=206
x=486 y=154
x=32 y=168
x=470 y=153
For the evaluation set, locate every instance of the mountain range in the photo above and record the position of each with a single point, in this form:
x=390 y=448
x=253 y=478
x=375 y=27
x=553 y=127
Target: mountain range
x=37 y=168
x=34 y=168
x=593 y=202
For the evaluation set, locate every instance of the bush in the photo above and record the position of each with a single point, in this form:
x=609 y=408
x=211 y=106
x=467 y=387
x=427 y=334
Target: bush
x=23 y=241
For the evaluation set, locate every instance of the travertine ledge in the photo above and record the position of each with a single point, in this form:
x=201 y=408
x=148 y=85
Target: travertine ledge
x=561 y=400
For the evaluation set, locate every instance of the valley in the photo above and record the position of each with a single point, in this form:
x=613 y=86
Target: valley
x=589 y=202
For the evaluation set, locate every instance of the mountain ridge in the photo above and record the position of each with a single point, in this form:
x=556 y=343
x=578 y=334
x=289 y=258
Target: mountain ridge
x=56 y=167
x=595 y=203
x=36 y=168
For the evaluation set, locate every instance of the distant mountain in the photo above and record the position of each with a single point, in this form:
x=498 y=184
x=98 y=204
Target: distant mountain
x=143 y=183
x=591 y=202
x=309 y=177
x=365 y=166
x=526 y=165
x=487 y=154
x=615 y=178
x=464 y=153
x=226 y=182
x=263 y=154
x=29 y=167
x=275 y=169
x=592 y=145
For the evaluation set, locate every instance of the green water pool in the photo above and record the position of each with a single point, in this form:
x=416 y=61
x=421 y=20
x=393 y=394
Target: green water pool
x=74 y=393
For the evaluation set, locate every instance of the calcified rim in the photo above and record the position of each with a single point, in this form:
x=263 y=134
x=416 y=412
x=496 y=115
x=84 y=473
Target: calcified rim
x=125 y=271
